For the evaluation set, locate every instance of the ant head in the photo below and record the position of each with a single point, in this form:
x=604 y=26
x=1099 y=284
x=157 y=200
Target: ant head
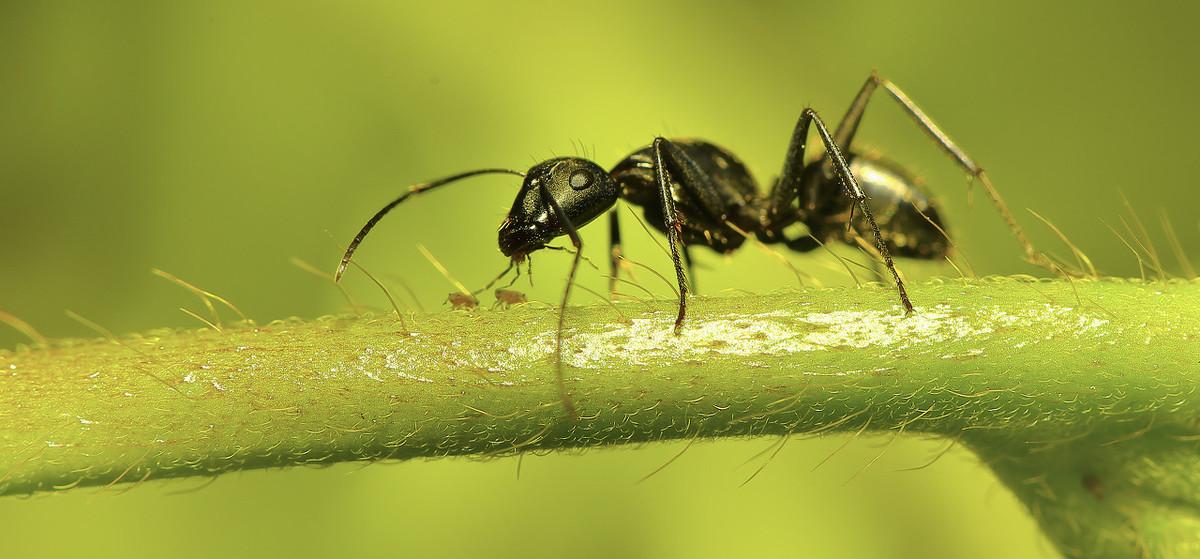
x=581 y=188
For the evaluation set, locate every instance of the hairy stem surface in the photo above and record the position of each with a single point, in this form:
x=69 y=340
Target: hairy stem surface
x=1081 y=396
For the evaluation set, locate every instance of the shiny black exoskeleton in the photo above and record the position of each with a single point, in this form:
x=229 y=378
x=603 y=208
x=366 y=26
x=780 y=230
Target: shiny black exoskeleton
x=701 y=195
x=908 y=222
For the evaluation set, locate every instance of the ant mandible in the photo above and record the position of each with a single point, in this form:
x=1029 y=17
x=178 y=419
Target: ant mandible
x=701 y=194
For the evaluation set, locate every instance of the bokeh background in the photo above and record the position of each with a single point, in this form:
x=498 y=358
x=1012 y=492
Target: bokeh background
x=219 y=139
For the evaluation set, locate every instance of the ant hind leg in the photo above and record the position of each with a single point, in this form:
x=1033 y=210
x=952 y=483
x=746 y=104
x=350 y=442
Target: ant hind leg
x=849 y=126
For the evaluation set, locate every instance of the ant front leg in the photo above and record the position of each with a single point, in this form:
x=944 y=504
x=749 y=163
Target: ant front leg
x=562 y=307
x=788 y=188
x=849 y=126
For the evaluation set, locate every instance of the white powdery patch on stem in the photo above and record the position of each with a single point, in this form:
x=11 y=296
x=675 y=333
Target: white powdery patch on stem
x=648 y=340
x=652 y=340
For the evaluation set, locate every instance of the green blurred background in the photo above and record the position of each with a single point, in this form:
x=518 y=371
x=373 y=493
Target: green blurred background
x=218 y=139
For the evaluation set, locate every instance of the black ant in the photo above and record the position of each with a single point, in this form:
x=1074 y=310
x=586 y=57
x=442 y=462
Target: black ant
x=700 y=194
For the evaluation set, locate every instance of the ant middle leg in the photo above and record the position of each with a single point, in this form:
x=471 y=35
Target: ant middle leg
x=673 y=225
x=716 y=201
x=616 y=255
x=848 y=127
x=673 y=166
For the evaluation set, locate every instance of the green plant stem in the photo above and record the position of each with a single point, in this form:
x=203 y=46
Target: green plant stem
x=1081 y=396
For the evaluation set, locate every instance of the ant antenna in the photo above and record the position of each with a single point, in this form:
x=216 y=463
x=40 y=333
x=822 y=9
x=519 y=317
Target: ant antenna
x=415 y=189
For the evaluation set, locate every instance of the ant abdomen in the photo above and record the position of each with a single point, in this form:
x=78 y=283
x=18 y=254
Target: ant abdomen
x=907 y=215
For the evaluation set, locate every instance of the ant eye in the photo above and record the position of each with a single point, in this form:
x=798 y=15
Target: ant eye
x=580 y=180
